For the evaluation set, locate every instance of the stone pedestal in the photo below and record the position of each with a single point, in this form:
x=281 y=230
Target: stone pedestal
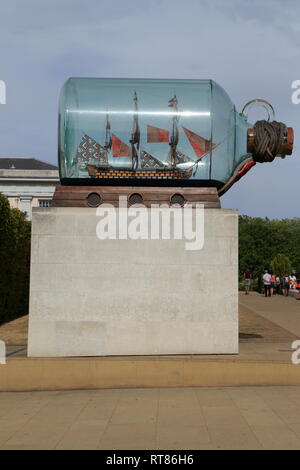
x=92 y=297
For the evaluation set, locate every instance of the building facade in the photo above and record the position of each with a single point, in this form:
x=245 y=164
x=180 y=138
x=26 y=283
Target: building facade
x=28 y=182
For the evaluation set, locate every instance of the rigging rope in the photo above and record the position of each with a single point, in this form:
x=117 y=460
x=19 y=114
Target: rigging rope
x=268 y=139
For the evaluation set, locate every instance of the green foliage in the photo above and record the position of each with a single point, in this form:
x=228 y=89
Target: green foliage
x=280 y=265
x=14 y=262
x=261 y=240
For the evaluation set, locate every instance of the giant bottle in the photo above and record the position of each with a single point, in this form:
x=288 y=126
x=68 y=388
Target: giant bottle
x=160 y=132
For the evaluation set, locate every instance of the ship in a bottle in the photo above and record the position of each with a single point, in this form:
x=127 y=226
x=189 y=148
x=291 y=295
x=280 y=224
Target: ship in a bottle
x=99 y=160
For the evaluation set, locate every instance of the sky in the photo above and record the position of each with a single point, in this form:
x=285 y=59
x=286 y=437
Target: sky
x=251 y=48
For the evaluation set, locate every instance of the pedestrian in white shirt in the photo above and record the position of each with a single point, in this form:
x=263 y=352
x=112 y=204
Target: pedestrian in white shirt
x=267 y=283
x=286 y=284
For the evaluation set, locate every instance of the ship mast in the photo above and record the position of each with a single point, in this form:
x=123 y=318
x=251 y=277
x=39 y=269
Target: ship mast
x=174 y=135
x=108 y=140
x=135 y=135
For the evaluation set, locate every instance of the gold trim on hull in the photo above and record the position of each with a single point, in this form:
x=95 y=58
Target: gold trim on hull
x=98 y=172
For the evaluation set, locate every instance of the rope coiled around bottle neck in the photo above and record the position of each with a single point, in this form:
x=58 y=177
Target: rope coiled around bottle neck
x=268 y=139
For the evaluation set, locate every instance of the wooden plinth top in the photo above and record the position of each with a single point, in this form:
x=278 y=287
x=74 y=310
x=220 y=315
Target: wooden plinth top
x=93 y=196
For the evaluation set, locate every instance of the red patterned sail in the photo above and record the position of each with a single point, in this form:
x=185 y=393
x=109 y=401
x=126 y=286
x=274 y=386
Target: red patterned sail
x=200 y=145
x=119 y=148
x=156 y=134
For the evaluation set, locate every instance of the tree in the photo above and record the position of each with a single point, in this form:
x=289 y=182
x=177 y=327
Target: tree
x=280 y=265
x=14 y=262
x=260 y=240
x=5 y=248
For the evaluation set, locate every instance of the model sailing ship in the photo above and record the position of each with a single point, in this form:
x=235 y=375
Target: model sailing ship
x=94 y=158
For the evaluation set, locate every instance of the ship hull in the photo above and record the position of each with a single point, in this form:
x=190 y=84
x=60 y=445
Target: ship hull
x=148 y=174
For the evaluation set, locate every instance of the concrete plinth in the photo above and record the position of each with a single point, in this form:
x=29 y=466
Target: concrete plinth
x=92 y=297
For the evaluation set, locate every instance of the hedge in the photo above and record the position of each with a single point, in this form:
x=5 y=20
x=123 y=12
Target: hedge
x=14 y=262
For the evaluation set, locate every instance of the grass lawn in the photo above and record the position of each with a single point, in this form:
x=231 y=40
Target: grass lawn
x=15 y=332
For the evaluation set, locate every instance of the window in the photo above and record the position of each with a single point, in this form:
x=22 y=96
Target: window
x=44 y=202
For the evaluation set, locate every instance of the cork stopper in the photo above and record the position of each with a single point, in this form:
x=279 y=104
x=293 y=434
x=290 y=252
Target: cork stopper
x=250 y=140
x=286 y=147
x=290 y=141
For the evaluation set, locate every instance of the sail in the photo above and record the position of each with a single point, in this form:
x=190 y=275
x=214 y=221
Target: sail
x=119 y=148
x=156 y=134
x=182 y=158
x=148 y=161
x=200 y=145
x=89 y=151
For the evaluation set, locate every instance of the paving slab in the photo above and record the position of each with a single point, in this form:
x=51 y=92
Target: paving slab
x=185 y=418
x=281 y=310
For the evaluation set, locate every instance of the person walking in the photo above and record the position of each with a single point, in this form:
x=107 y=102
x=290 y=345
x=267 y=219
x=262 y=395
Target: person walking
x=286 y=284
x=267 y=283
x=277 y=284
x=293 y=281
x=282 y=284
x=272 y=280
x=247 y=281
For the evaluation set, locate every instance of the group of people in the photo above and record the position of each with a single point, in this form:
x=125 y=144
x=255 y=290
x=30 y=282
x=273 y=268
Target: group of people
x=283 y=284
x=272 y=284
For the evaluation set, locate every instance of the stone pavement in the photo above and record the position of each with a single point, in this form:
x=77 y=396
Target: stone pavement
x=169 y=418
x=185 y=418
x=283 y=311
